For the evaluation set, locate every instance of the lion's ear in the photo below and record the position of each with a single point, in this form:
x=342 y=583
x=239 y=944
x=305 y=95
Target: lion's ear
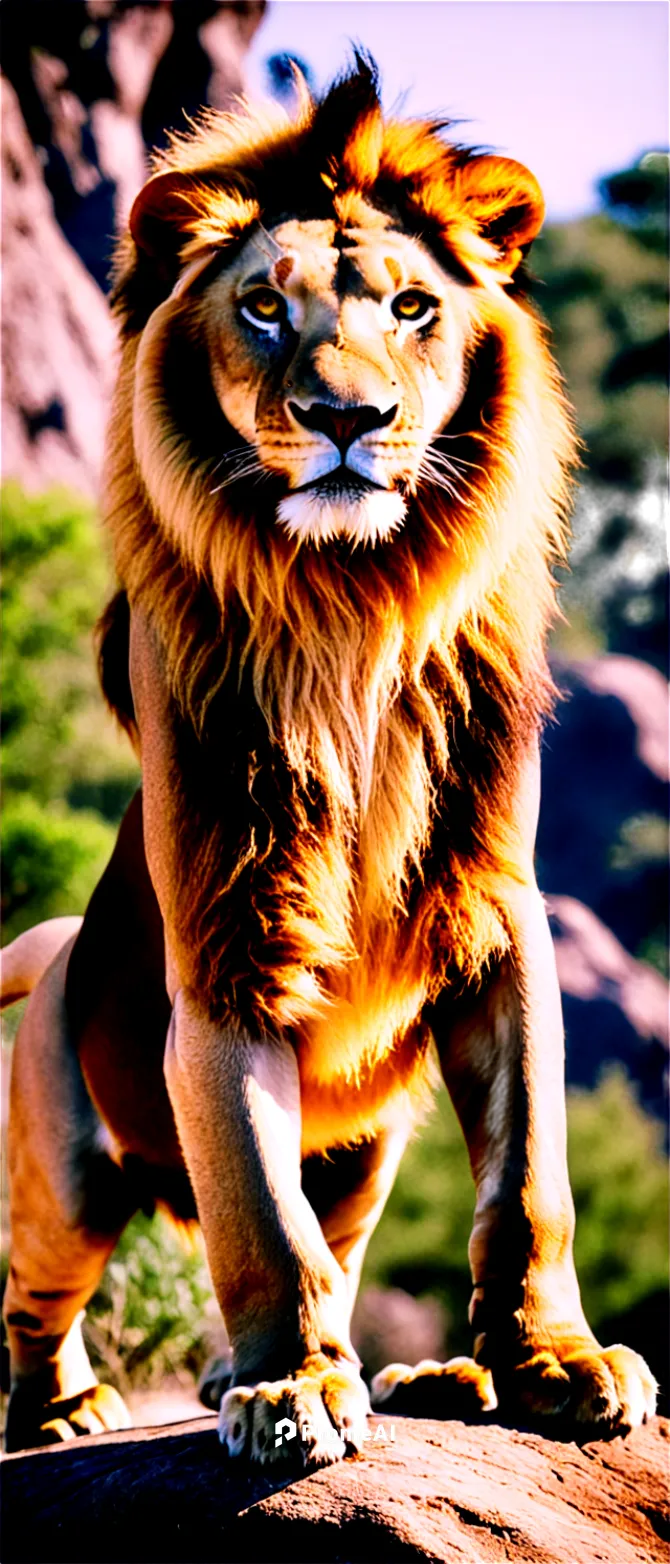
x=506 y=202
x=160 y=212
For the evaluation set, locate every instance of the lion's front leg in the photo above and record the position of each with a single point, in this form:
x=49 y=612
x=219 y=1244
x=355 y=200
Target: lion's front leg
x=283 y=1295
x=236 y=1102
x=501 y=1052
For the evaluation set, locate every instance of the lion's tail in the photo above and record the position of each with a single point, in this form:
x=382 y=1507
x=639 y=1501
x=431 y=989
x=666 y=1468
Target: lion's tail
x=24 y=961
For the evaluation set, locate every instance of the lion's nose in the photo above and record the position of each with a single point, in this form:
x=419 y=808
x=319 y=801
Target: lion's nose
x=342 y=425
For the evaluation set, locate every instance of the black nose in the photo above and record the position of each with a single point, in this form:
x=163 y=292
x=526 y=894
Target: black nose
x=342 y=425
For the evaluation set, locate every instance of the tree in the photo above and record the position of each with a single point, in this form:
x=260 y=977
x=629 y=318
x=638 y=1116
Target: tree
x=602 y=283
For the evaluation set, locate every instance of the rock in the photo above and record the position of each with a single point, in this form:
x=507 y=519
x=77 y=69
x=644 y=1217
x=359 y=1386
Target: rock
x=615 y=1008
x=434 y=1491
x=603 y=865
x=605 y=795
x=87 y=88
x=58 y=339
x=100 y=84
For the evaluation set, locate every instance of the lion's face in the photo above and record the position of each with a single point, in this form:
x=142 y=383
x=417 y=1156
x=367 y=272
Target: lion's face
x=337 y=356
x=335 y=278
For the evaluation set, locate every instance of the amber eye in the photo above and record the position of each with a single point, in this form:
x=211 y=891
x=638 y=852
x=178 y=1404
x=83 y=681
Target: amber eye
x=264 y=308
x=414 y=306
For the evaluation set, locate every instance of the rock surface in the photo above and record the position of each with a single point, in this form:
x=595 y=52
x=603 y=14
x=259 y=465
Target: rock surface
x=438 y=1491
x=101 y=82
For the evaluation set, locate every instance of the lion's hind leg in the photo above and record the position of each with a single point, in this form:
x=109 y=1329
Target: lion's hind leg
x=459 y=1388
x=68 y=1203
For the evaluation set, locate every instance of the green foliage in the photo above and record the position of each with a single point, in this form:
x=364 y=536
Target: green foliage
x=639 y=198
x=52 y=859
x=421 y=1243
x=149 y=1317
x=67 y=776
x=619 y=1179
x=602 y=283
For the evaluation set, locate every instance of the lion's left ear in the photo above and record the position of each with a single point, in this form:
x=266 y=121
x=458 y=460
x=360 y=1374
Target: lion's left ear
x=161 y=211
x=506 y=203
x=181 y=214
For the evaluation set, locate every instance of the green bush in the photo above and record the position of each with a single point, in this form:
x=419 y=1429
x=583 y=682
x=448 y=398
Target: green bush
x=602 y=284
x=67 y=775
x=52 y=858
x=152 y=1313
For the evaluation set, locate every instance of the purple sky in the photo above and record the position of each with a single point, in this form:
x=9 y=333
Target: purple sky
x=573 y=88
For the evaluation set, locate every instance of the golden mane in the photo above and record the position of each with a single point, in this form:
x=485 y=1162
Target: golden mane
x=390 y=693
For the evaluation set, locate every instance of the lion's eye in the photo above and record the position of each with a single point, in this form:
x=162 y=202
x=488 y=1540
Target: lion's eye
x=414 y=306
x=264 y=308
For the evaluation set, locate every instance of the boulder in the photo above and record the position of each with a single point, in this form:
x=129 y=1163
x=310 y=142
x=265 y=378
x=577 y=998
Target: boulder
x=422 y=1490
x=605 y=795
x=100 y=84
x=58 y=338
x=88 y=89
x=616 y=1009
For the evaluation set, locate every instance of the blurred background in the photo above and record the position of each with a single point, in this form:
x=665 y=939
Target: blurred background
x=577 y=91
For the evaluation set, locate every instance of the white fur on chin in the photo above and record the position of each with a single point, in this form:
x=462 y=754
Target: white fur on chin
x=363 y=518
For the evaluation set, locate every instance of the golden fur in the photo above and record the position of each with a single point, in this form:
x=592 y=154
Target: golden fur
x=365 y=664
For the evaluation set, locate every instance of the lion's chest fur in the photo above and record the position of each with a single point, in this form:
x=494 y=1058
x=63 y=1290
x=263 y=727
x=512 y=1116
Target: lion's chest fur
x=336 y=911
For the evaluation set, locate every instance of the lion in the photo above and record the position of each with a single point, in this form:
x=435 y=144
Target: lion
x=337 y=483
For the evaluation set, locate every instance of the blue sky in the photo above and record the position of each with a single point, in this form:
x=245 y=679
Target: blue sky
x=573 y=88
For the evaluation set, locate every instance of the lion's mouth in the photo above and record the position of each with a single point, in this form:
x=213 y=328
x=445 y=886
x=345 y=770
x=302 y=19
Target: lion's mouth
x=339 y=506
x=341 y=483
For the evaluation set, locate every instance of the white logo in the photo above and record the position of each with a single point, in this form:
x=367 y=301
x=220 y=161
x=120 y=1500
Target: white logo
x=286 y=1429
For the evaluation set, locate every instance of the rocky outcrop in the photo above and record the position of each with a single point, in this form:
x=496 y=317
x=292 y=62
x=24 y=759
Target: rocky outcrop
x=602 y=861
x=102 y=82
x=605 y=794
x=89 y=88
x=58 y=339
x=422 y=1490
x=390 y=1326
x=615 y=1009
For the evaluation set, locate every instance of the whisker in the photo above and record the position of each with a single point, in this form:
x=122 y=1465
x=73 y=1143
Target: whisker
x=236 y=452
x=251 y=469
x=452 y=463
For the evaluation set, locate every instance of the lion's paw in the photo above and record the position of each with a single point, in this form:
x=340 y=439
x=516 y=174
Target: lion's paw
x=214 y=1383
x=309 y=1420
x=609 y=1389
x=98 y=1410
x=460 y=1389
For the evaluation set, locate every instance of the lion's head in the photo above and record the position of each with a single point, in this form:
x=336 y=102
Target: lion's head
x=337 y=278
